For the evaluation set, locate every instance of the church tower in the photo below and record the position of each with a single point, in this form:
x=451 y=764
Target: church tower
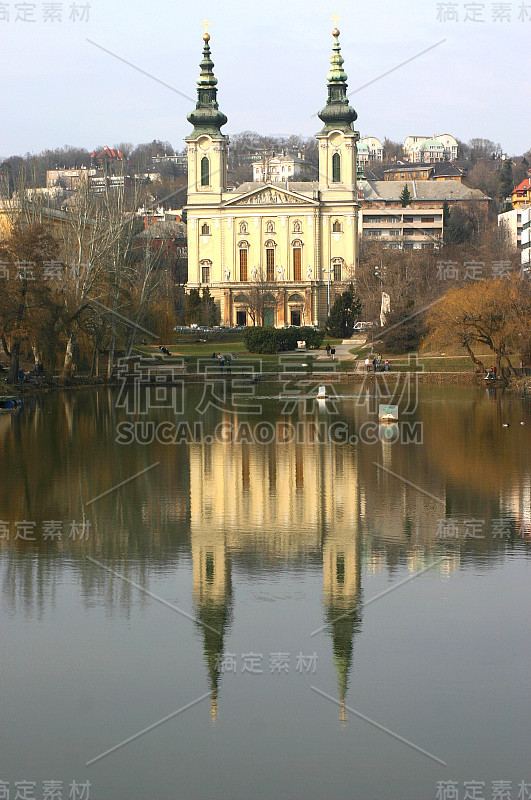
x=338 y=177
x=207 y=146
x=337 y=139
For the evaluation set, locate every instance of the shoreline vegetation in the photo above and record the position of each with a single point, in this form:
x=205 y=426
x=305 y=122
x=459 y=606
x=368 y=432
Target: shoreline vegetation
x=305 y=375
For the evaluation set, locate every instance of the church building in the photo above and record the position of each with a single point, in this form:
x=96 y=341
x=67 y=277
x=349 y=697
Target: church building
x=273 y=253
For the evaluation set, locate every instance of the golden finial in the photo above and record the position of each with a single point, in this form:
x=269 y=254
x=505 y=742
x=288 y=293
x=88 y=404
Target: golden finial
x=336 y=20
x=206 y=25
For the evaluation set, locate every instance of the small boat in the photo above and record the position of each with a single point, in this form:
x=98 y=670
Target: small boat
x=388 y=413
x=388 y=418
x=10 y=404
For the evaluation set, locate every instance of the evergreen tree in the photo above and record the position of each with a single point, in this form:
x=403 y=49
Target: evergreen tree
x=405 y=197
x=403 y=331
x=505 y=180
x=344 y=314
x=210 y=314
x=193 y=308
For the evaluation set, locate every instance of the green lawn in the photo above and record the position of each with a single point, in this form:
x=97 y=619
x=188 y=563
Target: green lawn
x=198 y=352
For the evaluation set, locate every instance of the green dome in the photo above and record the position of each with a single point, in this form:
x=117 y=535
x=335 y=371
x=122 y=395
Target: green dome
x=337 y=114
x=207 y=118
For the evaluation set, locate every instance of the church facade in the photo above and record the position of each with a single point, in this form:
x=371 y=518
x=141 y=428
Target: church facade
x=273 y=253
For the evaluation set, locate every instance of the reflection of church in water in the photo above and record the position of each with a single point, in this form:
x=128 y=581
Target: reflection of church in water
x=286 y=511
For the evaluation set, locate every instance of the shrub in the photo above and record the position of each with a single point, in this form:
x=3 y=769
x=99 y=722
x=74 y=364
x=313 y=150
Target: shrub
x=313 y=337
x=280 y=340
x=260 y=340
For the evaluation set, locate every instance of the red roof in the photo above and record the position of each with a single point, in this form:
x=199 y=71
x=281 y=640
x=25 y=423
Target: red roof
x=107 y=151
x=523 y=187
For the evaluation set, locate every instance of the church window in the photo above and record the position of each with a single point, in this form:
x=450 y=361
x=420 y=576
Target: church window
x=336 y=168
x=205 y=171
x=337 y=265
x=270 y=263
x=297 y=261
x=243 y=263
x=336 y=227
x=205 y=230
x=205 y=271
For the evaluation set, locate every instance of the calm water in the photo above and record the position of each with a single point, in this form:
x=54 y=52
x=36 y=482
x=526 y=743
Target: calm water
x=247 y=577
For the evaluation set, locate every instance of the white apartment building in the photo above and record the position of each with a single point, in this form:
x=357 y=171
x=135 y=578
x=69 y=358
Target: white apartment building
x=280 y=167
x=526 y=236
x=370 y=149
x=425 y=149
x=512 y=222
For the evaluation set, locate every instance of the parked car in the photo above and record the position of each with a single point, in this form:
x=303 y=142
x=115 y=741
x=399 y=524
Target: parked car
x=364 y=326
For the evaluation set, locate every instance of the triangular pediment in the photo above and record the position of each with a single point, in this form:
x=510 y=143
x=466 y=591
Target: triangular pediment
x=270 y=196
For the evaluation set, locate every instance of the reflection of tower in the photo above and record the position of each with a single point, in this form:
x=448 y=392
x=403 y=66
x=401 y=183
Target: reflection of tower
x=212 y=591
x=342 y=590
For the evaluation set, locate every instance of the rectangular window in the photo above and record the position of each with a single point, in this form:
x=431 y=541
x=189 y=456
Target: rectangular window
x=270 y=263
x=243 y=265
x=205 y=274
x=337 y=271
x=297 y=264
x=425 y=220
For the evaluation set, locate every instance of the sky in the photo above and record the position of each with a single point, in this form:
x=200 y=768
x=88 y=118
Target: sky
x=59 y=87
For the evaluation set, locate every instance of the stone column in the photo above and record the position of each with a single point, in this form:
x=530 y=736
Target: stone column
x=227 y=308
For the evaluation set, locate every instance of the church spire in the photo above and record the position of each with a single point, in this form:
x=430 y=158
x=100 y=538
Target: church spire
x=337 y=114
x=207 y=118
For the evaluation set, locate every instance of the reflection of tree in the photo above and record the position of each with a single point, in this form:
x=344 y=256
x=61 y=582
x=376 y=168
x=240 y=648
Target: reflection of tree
x=470 y=449
x=299 y=501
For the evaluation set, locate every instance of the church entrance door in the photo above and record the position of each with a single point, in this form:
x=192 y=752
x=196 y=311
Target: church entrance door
x=269 y=317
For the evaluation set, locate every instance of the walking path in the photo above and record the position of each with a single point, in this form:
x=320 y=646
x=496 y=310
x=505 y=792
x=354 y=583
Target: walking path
x=343 y=351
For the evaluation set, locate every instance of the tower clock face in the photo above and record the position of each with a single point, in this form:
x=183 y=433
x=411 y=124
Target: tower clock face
x=204 y=143
x=336 y=139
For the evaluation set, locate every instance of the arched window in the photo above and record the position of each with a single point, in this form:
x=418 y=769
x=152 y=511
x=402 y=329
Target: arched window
x=243 y=227
x=336 y=168
x=270 y=227
x=205 y=230
x=297 y=260
x=336 y=227
x=205 y=171
x=337 y=265
x=297 y=227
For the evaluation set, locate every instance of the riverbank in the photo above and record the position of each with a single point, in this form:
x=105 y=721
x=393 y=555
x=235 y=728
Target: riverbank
x=520 y=386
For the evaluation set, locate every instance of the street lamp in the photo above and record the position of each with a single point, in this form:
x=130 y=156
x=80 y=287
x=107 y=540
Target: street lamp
x=328 y=272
